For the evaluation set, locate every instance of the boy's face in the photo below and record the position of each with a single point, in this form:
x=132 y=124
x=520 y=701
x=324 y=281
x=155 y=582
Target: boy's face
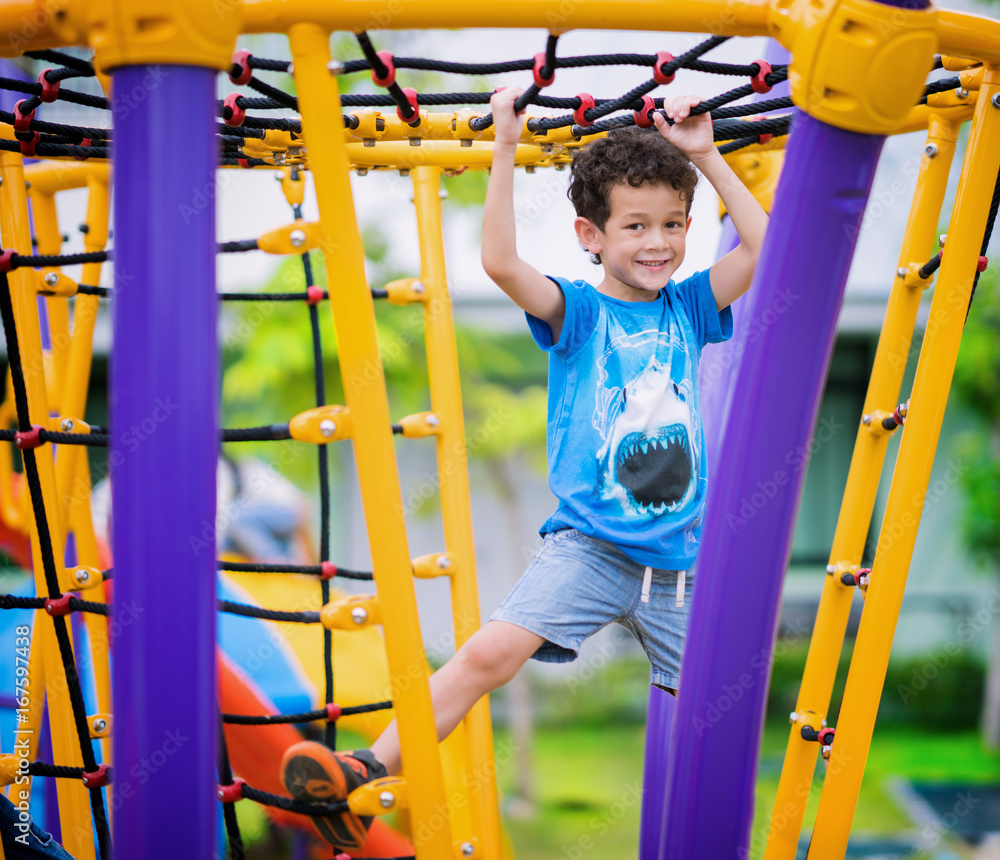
x=642 y=243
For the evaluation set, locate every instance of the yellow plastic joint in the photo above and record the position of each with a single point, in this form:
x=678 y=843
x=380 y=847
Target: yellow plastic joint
x=322 y=424
x=379 y=797
x=293 y=185
x=873 y=421
x=420 y=424
x=433 y=565
x=99 y=725
x=803 y=718
x=295 y=238
x=172 y=32
x=55 y=284
x=461 y=129
x=858 y=64
x=958 y=64
x=355 y=612
x=910 y=276
x=838 y=568
x=83 y=578
x=406 y=291
x=64 y=424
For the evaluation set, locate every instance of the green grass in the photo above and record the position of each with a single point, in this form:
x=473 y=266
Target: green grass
x=587 y=783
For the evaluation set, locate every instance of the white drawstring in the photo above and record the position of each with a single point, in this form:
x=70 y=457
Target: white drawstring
x=647 y=581
x=680 y=587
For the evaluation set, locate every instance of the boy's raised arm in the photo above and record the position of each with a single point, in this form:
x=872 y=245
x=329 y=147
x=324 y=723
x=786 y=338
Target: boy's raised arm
x=528 y=287
x=730 y=276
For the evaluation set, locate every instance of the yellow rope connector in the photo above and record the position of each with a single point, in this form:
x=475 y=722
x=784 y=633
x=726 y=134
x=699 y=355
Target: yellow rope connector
x=433 y=565
x=99 y=725
x=351 y=613
x=380 y=796
x=55 y=284
x=295 y=238
x=83 y=578
x=406 y=291
x=421 y=424
x=322 y=424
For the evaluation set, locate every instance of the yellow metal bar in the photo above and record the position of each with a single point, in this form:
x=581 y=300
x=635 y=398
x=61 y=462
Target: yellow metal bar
x=364 y=390
x=935 y=369
x=963 y=35
x=446 y=401
x=48 y=177
x=74 y=809
x=795 y=785
x=747 y=18
x=43 y=208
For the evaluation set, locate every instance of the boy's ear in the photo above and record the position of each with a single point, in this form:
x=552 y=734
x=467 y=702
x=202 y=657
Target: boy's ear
x=588 y=234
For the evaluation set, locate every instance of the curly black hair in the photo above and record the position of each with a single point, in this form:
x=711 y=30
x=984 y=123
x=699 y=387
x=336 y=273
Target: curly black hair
x=627 y=156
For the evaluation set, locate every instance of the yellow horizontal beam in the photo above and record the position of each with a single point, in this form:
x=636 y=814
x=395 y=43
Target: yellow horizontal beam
x=50 y=176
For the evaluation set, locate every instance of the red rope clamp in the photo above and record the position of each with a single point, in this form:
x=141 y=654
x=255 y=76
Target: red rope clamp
x=764 y=138
x=238 y=114
x=333 y=712
x=757 y=81
x=390 y=66
x=56 y=606
x=22 y=121
x=662 y=58
x=96 y=778
x=50 y=92
x=241 y=59
x=230 y=793
x=541 y=82
x=826 y=736
x=243 y=162
x=7 y=260
x=328 y=570
x=85 y=142
x=586 y=103
x=28 y=439
x=642 y=117
x=982 y=264
x=411 y=97
x=28 y=146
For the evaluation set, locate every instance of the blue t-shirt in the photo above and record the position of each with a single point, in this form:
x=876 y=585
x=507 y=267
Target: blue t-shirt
x=626 y=449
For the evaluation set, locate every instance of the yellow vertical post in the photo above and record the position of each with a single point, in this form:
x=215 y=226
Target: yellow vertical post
x=446 y=402
x=74 y=810
x=935 y=369
x=43 y=208
x=365 y=394
x=795 y=784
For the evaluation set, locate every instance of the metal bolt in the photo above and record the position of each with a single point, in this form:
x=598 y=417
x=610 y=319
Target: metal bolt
x=83 y=576
x=465 y=141
x=443 y=194
x=942 y=239
x=995 y=101
x=931 y=150
x=335 y=67
x=831 y=568
x=443 y=562
x=327 y=427
x=901 y=272
x=414 y=141
x=793 y=717
x=405 y=172
x=962 y=93
x=560 y=166
x=359 y=615
x=387 y=799
x=278 y=177
x=280 y=158
x=866 y=420
x=468 y=849
x=51 y=279
x=291 y=68
x=297 y=238
x=418 y=287
x=432 y=420
x=362 y=171
x=368 y=141
x=66 y=425
x=529 y=169
x=100 y=725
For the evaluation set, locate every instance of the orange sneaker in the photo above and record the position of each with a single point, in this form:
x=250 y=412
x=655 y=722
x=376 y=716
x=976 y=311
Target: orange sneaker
x=313 y=772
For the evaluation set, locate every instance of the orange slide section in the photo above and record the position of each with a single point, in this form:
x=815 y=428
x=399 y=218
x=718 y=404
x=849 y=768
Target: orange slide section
x=255 y=751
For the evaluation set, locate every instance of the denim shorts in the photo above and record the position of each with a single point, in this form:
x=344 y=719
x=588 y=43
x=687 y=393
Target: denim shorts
x=576 y=585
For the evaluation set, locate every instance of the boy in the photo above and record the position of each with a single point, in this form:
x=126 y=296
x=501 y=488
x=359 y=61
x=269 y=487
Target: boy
x=626 y=453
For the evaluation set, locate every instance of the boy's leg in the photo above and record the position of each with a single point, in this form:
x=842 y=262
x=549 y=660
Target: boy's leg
x=489 y=659
x=310 y=771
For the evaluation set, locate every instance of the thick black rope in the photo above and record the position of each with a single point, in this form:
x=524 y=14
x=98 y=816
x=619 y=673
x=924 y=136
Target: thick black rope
x=308 y=569
x=267 y=433
x=301 y=806
x=93 y=440
x=403 y=105
x=307 y=717
x=13 y=601
x=63 y=59
x=49 y=567
x=248 y=611
x=233 y=835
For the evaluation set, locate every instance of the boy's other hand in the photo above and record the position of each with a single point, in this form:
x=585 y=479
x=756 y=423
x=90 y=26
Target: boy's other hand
x=507 y=125
x=690 y=134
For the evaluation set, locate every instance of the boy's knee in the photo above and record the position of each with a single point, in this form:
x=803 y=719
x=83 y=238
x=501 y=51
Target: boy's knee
x=489 y=661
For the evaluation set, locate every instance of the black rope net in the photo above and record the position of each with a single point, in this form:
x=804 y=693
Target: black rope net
x=735 y=127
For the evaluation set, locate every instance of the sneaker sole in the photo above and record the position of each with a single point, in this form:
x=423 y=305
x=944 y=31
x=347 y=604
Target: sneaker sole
x=317 y=778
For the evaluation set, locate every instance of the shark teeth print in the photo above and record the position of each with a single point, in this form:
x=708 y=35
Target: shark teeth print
x=656 y=471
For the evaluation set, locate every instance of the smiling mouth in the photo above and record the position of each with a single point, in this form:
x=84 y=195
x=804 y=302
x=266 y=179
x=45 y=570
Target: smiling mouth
x=657 y=471
x=652 y=264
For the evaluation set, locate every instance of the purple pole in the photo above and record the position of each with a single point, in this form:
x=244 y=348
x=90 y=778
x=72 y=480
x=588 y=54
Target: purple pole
x=718 y=368
x=800 y=281
x=164 y=405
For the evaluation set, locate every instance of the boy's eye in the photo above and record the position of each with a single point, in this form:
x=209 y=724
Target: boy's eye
x=634 y=227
